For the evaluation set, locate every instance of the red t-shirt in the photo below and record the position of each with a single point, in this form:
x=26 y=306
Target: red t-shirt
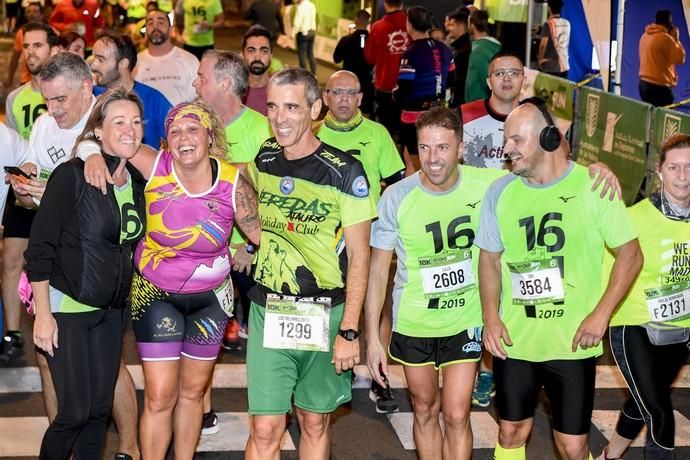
x=88 y=14
x=256 y=99
x=387 y=41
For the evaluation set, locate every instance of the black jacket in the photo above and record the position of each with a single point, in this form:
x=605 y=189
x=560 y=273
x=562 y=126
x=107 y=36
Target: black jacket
x=75 y=237
x=350 y=50
x=461 y=47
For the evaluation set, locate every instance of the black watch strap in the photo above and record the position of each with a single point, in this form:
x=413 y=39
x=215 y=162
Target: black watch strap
x=348 y=334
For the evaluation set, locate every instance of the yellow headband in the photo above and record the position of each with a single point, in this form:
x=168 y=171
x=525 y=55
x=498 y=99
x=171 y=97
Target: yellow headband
x=192 y=111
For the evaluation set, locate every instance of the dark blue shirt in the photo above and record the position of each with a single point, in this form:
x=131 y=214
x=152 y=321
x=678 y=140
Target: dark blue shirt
x=156 y=108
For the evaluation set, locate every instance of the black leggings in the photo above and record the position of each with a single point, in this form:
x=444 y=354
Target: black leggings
x=84 y=370
x=649 y=371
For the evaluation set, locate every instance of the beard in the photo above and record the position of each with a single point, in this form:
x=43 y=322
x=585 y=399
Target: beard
x=257 y=68
x=157 y=37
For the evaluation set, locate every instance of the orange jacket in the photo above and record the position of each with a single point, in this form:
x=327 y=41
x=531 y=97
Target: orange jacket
x=659 y=54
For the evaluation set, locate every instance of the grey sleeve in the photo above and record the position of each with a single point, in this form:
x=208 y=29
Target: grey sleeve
x=488 y=234
x=384 y=230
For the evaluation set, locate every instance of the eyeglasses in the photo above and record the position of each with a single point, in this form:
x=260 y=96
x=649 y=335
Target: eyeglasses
x=343 y=92
x=501 y=73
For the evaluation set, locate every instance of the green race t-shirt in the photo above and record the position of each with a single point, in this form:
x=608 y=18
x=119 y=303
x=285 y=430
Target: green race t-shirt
x=553 y=239
x=304 y=205
x=245 y=135
x=436 y=283
x=194 y=12
x=136 y=9
x=25 y=105
x=371 y=144
x=665 y=274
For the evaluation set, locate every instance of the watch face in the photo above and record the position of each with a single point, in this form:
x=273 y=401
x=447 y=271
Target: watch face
x=349 y=334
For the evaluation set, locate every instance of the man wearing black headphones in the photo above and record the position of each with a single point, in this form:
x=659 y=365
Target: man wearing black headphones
x=545 y=229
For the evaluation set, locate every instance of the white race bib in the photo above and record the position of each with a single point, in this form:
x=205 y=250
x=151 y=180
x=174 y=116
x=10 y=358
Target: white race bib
x=446 y=274
x=536 y=282
x=295 y=323
x=224 y=294
x=670 y=302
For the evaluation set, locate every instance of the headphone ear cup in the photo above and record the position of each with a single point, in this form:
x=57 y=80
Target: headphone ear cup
x=550 y=138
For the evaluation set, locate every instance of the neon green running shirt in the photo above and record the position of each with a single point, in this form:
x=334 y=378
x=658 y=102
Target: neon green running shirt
x=552 y=238
x=436 y=284
x=661 y=291
x=304 y=205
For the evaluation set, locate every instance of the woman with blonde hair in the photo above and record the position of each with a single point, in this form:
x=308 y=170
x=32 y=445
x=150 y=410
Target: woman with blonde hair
x=182 y=293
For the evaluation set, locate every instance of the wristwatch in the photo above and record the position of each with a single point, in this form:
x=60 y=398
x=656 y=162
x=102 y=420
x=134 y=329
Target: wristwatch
x=348 y=334
x=250 y=248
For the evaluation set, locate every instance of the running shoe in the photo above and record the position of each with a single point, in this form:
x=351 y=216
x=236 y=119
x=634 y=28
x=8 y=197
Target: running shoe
x=383 y=398
x=123 y=456
x=243 y=333
x=484 y=389
x=209 y=424
x=12 y=348
x=231 y=339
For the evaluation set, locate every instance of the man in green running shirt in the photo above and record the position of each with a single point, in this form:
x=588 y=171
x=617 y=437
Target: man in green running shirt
x=311 y=274
x=429 y=220
x=543 y=232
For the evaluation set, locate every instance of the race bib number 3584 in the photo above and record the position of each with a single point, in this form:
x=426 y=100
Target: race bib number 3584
x=297 y=323
x=536 y=282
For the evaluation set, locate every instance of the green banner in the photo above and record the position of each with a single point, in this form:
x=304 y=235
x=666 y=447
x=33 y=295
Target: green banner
x=505 y=10
x=614 y=130
x=558 y=94
x=665 y=123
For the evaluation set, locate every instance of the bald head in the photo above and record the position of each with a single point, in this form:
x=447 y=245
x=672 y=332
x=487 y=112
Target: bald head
x=521 y=130
x=343 y=95
x=529 y=116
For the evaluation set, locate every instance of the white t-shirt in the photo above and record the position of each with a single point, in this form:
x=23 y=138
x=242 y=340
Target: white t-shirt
x=50 y=145
x=305 y=18
x=14 y=153
x=172 y=74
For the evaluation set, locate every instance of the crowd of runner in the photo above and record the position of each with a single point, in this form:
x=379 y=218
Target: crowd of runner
x=204 y=195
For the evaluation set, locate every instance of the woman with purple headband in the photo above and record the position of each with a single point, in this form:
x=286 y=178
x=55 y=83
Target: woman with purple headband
x=181 y=291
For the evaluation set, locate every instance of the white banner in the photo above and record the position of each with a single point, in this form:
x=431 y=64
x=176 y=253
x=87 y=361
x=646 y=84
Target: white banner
x=598 y=14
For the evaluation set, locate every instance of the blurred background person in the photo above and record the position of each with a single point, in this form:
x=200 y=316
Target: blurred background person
x=33 y=13
x=554 y=40
x=81 y=16
x=660 y=52
x=461 y=46
x=72 y=42
x=350 y=51
x=304 y=26
x=484 y=47
x=164 y=66
x=266 y=13
x=195 y=21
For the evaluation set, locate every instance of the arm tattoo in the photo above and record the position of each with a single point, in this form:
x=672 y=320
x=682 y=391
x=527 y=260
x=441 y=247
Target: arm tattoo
x=247 y=206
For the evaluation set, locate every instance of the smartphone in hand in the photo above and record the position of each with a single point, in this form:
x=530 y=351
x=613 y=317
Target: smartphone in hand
x=16 y=171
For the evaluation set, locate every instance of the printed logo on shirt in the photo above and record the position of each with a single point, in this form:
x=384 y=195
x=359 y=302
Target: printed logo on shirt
x=55 y=154
x=397 y=42
x=360 y=187
x=287 y=185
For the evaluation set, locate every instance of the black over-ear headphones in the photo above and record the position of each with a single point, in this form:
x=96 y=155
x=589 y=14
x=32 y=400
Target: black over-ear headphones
x=549 y=137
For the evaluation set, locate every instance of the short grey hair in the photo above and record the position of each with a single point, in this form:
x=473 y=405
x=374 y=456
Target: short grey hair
x=298 y=76
x=230 y=66
x=68 y=65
